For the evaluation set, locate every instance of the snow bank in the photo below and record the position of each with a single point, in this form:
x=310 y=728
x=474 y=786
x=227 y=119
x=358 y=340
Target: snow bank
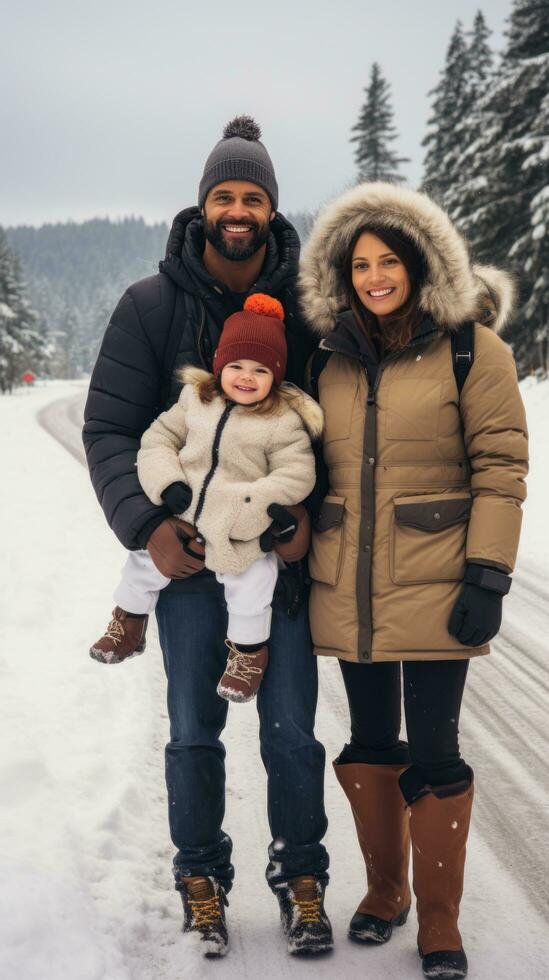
x=49 y=928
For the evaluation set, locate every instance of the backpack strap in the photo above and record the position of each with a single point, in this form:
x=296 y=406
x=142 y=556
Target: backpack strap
x=463 y=352
x=315 y=366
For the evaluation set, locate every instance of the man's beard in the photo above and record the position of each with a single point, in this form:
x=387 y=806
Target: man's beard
x=234 y=250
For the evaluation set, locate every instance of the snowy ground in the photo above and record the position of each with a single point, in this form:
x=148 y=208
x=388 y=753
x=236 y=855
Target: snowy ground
x=85 y=889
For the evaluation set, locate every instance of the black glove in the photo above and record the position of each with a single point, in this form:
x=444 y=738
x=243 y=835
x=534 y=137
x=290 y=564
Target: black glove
x=177 y=497
x=282 y=529
x=476 y=616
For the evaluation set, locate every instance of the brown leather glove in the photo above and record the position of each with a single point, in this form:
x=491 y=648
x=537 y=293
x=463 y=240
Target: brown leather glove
x=298 y=546
x=175 y=549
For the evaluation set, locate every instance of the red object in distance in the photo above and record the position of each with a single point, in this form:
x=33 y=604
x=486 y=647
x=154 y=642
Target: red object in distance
x=28 y=377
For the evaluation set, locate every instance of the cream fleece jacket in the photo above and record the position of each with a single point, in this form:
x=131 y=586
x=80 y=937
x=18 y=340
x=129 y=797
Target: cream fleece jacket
x=261 y=460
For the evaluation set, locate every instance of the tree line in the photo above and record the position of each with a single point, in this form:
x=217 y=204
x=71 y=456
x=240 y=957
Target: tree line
x=23 y=341
x=75 y=274
x=486 y=162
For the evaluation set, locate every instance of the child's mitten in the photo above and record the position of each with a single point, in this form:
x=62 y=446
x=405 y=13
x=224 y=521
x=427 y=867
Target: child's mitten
x=177 y=497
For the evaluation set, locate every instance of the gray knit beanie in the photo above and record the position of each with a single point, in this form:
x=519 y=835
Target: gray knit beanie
x=239 y=156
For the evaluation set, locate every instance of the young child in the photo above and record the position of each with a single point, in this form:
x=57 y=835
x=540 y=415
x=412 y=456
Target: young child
x=237 y=441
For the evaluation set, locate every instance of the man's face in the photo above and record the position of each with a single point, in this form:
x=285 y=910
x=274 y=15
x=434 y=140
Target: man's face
x=236 y=217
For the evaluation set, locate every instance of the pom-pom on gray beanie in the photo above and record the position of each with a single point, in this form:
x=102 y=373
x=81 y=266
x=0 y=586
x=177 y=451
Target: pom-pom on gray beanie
x=239 y=156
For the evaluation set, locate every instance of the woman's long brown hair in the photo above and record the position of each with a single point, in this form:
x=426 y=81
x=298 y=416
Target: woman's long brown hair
x=397 y=331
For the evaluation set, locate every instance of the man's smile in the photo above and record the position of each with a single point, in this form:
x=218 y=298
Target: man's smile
x=237 y=229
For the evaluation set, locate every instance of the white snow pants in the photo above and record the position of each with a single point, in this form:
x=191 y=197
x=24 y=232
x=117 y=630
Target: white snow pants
x=138 y=589
x=248 y=595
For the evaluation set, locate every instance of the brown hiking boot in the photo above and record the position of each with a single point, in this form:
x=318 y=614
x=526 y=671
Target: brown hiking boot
x=382 y=826
x=123 y=638
x=243 y=673
x=303 y=916
x=204 y=902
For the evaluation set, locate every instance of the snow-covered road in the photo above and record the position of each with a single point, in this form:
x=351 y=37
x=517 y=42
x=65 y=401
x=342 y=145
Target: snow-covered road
x=86 y=888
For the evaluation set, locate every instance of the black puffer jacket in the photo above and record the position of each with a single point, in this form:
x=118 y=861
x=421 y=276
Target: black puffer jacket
x=162 y=322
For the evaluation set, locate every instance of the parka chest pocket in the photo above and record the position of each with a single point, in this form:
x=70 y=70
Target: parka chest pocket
x=337 y=401
x=428 y=538
x=412 y=409
x=327 y=546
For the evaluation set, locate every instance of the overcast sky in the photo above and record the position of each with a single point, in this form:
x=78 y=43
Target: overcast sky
x=110 y=107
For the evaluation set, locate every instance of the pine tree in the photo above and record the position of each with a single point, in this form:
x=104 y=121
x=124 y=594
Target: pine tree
x=536 y=310
x=22 y=345
x=479 y=68
x=503 y=207
x=464 y=189
x=448 y=107
x=375 y=132
x=528 y=56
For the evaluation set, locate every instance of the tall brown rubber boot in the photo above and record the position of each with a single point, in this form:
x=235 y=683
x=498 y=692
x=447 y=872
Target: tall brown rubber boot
x=439 y=826
x=382 y=825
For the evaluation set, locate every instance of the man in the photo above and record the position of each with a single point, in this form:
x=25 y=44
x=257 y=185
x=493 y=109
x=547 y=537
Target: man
x=233 y=244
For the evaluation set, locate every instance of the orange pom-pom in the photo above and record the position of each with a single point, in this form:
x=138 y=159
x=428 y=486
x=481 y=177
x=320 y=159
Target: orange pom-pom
x=264 y=305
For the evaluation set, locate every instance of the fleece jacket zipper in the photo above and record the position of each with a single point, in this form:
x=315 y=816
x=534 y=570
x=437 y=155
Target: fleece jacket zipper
x=215 y=460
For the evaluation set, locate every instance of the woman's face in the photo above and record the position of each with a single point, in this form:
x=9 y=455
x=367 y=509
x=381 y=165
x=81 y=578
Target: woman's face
x=379 y=277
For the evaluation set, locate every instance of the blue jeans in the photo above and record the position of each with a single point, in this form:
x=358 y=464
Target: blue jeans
x=192 y=628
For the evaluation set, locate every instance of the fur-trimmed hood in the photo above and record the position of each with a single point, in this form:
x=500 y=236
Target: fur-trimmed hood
x=453 y=290
x=308 y=410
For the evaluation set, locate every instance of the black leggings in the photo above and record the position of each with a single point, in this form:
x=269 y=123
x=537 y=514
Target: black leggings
x=432 y=701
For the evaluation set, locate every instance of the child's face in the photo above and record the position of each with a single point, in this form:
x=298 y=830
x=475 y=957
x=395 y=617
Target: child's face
x=246 y=382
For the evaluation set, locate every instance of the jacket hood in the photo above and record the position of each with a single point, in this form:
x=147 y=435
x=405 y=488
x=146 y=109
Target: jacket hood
x=183 y=262
x=306 y=407
x=453 y=290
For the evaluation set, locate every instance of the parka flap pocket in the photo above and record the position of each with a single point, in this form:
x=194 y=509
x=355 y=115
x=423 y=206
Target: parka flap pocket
x=328 y=540
x=331 y=513
x=428 y=538
x=433 y=515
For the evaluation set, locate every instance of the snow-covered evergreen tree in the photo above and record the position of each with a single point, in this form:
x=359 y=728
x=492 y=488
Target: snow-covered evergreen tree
x=464 y=186
x=528 y=55
x=536 y=310
x=480 y=59
x=501 y=203
x=448 y=109
x=375 y=132
x=22 y=345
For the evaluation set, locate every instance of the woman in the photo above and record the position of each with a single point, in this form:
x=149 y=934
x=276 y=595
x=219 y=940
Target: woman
x=417 y=535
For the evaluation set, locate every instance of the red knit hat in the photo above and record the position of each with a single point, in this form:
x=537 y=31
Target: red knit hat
x=256 y=333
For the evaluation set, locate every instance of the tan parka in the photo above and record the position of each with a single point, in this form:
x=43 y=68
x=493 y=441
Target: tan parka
x=421 y=478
